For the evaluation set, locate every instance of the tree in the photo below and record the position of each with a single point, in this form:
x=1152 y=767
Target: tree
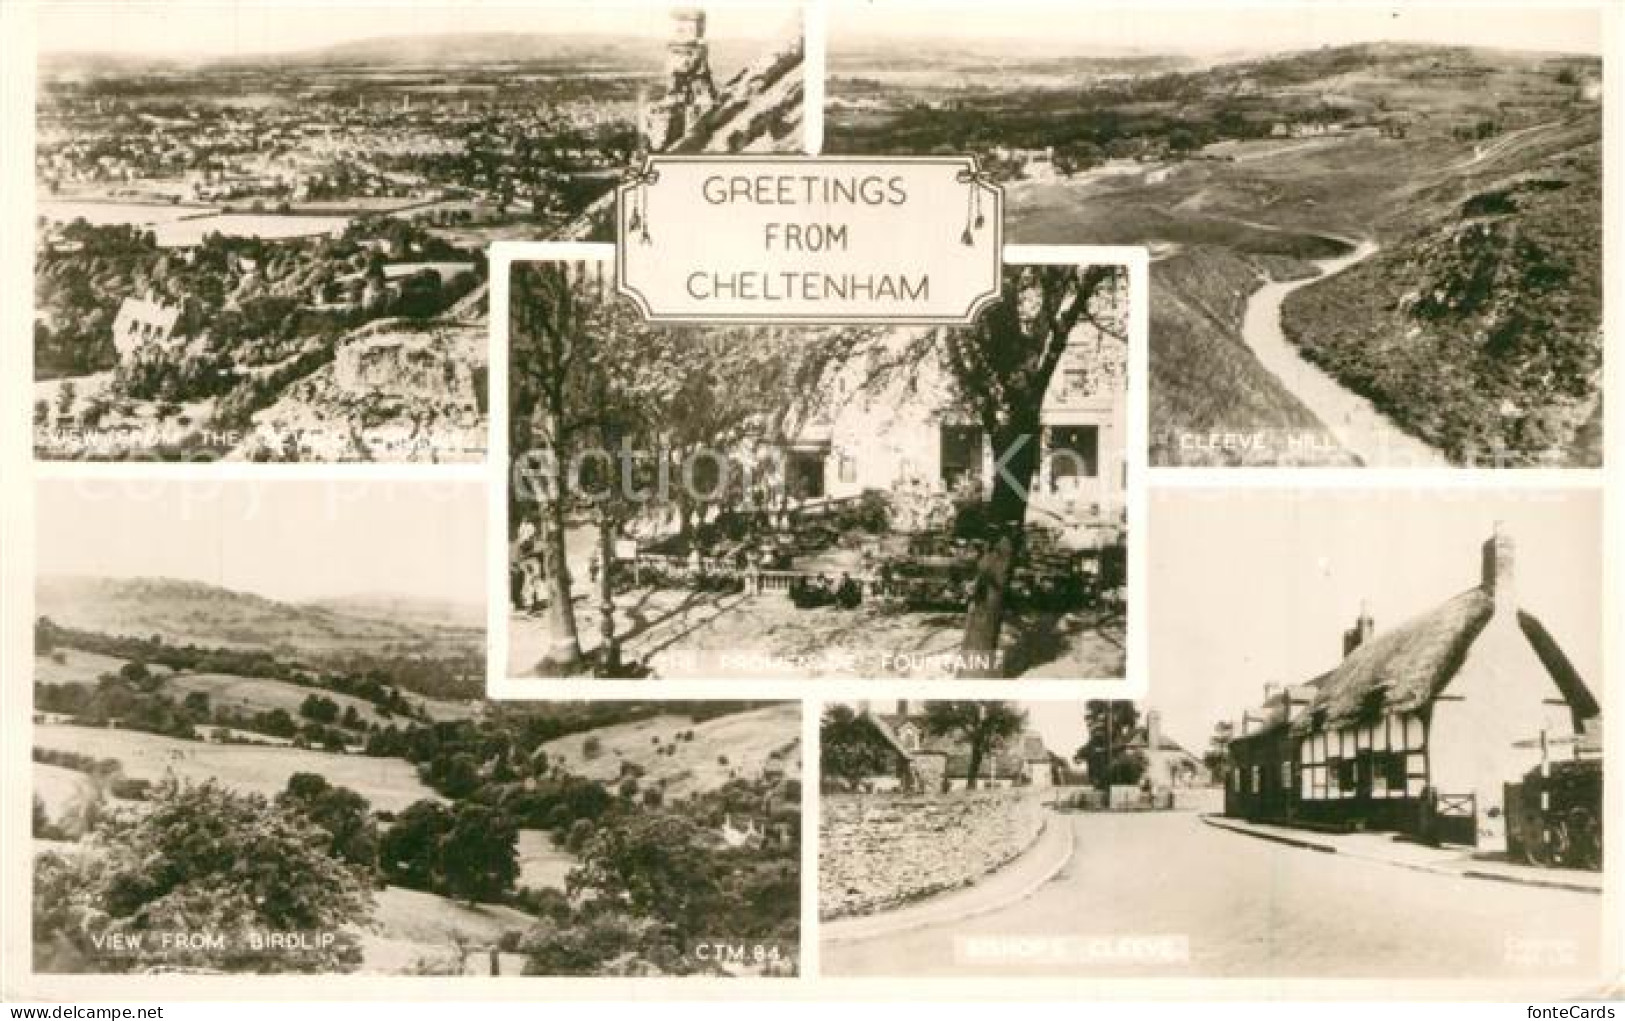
x=479 y=855
x=651 y=864
x=982 y=726
x=850 y=748
x=1001 y=368
x=410 y=850
x=203 y=858
x=341 y=812
x=1111 y=726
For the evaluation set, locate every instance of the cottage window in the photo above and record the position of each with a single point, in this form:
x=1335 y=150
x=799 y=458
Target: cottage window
x=1286 y=775
x=1362 y=738
x=1256 y=785
x=1307 y=784
x=1379 y=736
x=848 y=468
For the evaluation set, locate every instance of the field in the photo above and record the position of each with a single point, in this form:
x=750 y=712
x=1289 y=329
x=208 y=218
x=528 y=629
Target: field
x=541 y=865
x=388 y=784
x=412 y=928
x=77 y=667
x=744 y=740
x=260 y=694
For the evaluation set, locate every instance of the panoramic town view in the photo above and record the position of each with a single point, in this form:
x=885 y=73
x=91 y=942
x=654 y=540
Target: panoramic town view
x=1376 y=235
x=324 y=735
x=279 y=255
x=840 y=502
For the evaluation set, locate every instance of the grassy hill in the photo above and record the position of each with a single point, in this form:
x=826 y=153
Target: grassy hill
x=1479 y=326
x=719 y=749
x=193 y=612
x=389 y=784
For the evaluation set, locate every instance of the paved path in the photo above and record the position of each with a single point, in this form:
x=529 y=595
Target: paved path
x=1248 y=908
x=1359 y=427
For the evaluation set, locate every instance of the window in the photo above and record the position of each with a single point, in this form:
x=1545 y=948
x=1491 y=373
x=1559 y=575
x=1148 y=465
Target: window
x=1074 y=452
x=1256 y=786
x=806 y=470
x=1286 y=775
x=961 y=454
x=848 y=468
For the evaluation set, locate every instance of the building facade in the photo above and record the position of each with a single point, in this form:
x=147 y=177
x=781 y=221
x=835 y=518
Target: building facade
x=911 y=435
x=1420 y=728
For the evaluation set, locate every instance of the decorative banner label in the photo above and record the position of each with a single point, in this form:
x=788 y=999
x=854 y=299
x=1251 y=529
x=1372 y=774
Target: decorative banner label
x=713 y=239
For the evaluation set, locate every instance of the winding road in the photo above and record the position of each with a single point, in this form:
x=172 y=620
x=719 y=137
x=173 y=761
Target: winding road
x=1359 y=427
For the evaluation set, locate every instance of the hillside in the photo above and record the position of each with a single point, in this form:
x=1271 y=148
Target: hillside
x=736 y=745
x=388 y=784
x=185 y=612
x=1204 y=379
x=1479 y=326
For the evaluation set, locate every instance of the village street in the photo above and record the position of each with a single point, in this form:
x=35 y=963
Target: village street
x=1244 y=907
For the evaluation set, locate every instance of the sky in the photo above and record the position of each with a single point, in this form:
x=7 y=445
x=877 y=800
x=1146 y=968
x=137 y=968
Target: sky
x=1187 y=28
x=199 y=28
x=288 y=540
x=1249 y=587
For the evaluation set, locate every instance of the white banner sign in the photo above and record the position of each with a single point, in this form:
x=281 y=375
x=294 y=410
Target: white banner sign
x=800 y=240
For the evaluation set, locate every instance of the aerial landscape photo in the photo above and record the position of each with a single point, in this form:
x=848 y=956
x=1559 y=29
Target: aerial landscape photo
x=1376 y=234
x=251 y=762
x=270 y=245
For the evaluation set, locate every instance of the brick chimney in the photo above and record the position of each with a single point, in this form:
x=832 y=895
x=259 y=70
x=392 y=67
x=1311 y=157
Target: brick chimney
x=1153 y=730
x=902 y=707
x=1360 y=633
x=1497 y=580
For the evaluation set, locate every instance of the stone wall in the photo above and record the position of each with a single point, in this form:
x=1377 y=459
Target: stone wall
x=883 y=850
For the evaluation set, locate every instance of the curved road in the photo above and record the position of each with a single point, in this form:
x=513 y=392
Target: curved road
x=1361 y=429
x=1247 y=907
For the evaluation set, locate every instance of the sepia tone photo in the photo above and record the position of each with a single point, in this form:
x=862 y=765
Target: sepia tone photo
x=1376 y=232
x=838 y=502
x=247 y=762
x=271 y=246
x=1383 y=760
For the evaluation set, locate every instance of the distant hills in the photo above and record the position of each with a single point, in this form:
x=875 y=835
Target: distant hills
x=190 y=612
x=542 y=51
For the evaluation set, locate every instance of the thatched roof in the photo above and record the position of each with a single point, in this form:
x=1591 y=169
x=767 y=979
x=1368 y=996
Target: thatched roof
x=1403 y=669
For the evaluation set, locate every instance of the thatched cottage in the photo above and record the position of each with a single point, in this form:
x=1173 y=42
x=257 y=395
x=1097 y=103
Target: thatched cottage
x=1419 y=728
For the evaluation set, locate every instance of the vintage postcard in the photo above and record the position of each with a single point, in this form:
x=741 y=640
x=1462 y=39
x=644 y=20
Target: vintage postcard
x=793 y=502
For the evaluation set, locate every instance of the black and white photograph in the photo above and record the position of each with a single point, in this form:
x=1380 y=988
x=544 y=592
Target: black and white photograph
x=1375 y=230
x=1379 y=756
x=247 y=762
x=851 y=502
x=262 y=235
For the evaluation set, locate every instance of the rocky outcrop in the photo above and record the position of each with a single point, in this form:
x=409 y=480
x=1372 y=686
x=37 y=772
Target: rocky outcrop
x=879 y=852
